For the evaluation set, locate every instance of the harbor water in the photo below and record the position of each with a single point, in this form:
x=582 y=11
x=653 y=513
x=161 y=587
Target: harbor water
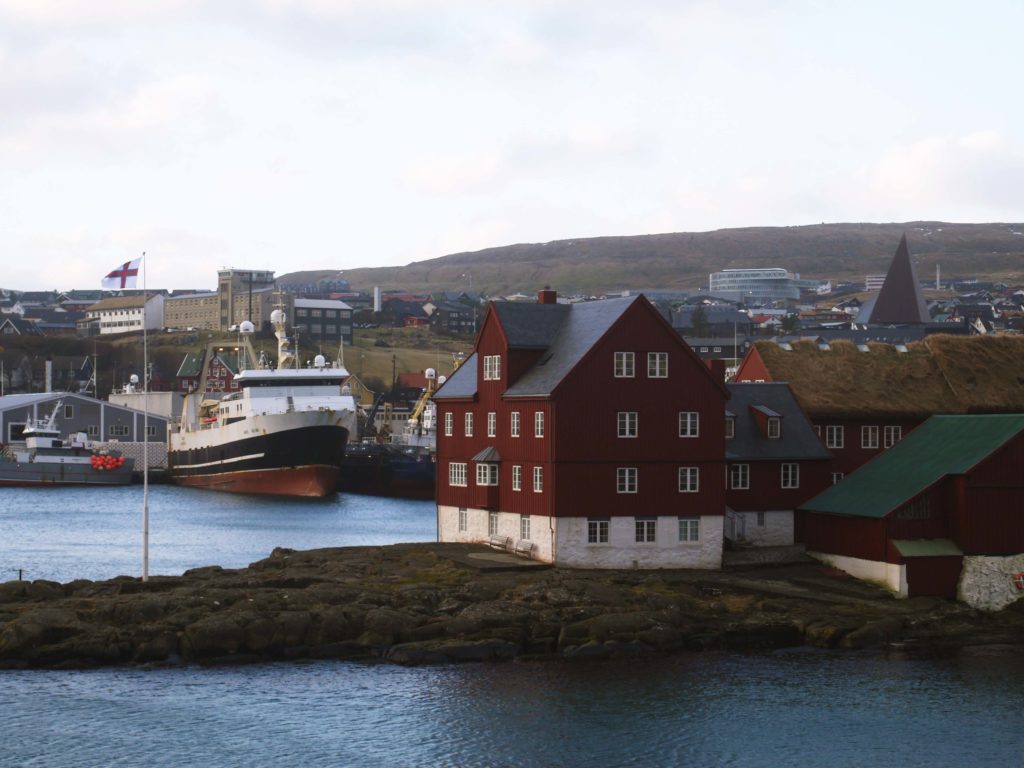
x=790 y=708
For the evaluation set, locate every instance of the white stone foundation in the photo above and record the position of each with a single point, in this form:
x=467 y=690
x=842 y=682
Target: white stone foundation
x=777 y=530
x=986 y=583
x=563 y=541
x=892 y=576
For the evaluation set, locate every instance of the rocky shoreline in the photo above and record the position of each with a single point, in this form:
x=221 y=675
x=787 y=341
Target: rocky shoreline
x=439 y=603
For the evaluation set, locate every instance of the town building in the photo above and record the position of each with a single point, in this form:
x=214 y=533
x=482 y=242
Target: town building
x=100 y=420
x=863 y=399
x=221 y=368
x=587 y=435
x=322 y=323
x=941 y=513
x=125 y=314
x=758 y=287
x=192 y=310
x=774 y=462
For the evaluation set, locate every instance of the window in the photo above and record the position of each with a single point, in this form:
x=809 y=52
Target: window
x=836 y=477
x=463 y=519
x=151 y=430
x=892 y=436
x=92 y=430
x=790 y=475
x=739 y=476
x=538 y=479
x=689 y=423
x=730 y=427
x=492 y=523
x=918 y=509
x=457 y=473
x=486 y=474
x=597 y=531
x=524 y=527
x=833 y=436
x=774 y=427
x=515 y=424
x=624 y=365
x=688 y=480
x=689 y=529
x=760 y=519
x=646 y=531
x=538 y=424
x=469 y=425
x=657 y=365
x=627 y=423
x=492 y=367
x=869 y=437
x=448 y=423
x=625 y=480
x=517 y=478
x=118 y=430
x=717 y=349
x=492 y=423
x=69 y=411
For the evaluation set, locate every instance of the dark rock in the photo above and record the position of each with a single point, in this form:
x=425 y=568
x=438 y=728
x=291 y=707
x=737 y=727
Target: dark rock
x=591 y=650
x=215 y=635
x=873 y=633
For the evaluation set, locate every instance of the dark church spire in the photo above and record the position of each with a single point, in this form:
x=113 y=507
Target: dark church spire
x=900 y=301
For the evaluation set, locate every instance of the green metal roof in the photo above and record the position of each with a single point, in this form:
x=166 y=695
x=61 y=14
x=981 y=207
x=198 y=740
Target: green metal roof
x=943 y=445
x=926 y=547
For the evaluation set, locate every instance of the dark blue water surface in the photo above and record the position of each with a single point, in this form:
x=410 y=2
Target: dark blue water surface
x=794 y=708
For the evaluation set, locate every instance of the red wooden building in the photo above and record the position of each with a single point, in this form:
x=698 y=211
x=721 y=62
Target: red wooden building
x=775 y=461
x=921 y=517
x=587 y=434
x=863 y=400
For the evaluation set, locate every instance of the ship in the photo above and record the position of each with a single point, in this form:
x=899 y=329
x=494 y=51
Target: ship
x=283 y=433
x=49 y=459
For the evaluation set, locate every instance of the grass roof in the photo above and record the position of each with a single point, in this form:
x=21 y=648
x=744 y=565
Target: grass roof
x=941 y=374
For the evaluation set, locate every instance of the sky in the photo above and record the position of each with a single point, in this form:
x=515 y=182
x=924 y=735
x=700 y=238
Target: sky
x=334 y=134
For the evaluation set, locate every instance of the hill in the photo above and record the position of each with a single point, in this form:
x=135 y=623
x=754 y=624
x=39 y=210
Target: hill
x=684 y=260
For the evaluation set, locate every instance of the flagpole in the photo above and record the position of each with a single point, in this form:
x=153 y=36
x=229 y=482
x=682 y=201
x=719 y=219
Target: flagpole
x=145 y=431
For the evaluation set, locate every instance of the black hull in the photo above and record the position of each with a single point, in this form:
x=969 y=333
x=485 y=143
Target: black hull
x=385 y=470
x=293 y=449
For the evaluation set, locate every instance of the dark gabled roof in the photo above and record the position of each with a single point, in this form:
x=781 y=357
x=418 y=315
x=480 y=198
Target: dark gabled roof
x=798 y=440
x=943 y=445
x=461 y=384
x=582 y=325
x=531 y=326
x=192 y=365
x=22 y=327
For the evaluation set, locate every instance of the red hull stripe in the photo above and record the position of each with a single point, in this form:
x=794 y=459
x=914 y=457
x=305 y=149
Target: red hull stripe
x=310 y=481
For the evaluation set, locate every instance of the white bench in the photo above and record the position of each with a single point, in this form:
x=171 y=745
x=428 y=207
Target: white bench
x=524 y=548
x=500 y=542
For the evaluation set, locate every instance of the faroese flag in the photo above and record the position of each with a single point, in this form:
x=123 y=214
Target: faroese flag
x=124 y=276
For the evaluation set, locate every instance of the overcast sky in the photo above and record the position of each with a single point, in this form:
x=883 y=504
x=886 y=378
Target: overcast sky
x=307 y=134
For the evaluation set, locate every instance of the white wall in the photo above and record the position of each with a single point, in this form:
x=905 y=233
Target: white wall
x=777 y=530
x=889 y=575
x=986 y=583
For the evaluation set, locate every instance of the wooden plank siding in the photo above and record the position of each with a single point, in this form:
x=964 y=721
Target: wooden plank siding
x=990 y=518
x=766 y=491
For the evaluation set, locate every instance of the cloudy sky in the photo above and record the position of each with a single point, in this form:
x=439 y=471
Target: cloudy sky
x=303 y=134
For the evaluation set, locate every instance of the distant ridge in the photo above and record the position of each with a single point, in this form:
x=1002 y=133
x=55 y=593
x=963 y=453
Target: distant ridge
x=681 y=261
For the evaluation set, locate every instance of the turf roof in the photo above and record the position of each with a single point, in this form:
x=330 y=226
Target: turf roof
x=943 y=445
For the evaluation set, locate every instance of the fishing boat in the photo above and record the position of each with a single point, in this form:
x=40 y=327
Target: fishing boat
x=47 y=458
x=282 y=434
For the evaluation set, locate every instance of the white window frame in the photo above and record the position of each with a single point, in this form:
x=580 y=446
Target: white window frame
x=626 y=479
x=515 y=423
x=893 y=434
x=524 y=527
x=835 y=436
x=689 y=423
x=790 y=474
x=625 y=365
x=517 y=477
x=627 y=422
x=730 y=427
x=492 y=424
x=837 y=477
x=457 y=474
x=689 y=479
x=492 y=523
x=538 y=479
x=486 y=473
x=492 y=367
x=463 y=519
x=645 y=530
x=468 y=423
x=774 y=427
x=869 y=436
x=69 y=411
x=657 y=365
x=739 y=477
x=93 y=430
x=689 y=530
x=597 y=531
x=538 y=424
x=118 y=430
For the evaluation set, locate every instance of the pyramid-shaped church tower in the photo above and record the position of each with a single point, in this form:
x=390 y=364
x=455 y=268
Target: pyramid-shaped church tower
x=900 y=302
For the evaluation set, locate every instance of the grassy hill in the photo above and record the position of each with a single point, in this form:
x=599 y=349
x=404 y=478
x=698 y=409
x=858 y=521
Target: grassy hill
x=684 y=260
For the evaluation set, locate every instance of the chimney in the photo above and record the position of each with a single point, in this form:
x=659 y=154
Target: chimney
x=717 y=368
x=547 y=296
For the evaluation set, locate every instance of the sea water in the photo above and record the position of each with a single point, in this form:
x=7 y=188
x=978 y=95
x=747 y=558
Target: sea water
x=789 y=708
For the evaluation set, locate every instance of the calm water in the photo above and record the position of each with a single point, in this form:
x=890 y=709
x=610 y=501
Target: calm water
x=794 y=708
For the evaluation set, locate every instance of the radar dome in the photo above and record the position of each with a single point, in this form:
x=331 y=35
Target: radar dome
x=441 y=379
x=319 y=361
x=431 y=374
x=277 y=316
x=246 y=326
x=134 y=378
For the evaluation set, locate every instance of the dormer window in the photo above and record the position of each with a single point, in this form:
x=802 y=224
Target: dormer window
x=730 y=427
x=492 y=367
x=774 y=427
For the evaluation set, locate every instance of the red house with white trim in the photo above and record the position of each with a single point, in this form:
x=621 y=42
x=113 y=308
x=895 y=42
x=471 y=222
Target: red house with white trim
x=587 y=435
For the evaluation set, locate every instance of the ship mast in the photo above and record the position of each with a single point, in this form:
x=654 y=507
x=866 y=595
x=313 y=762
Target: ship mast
x=279 y=319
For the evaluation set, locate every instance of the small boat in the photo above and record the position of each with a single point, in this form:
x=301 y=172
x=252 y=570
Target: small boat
x=48 y=459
